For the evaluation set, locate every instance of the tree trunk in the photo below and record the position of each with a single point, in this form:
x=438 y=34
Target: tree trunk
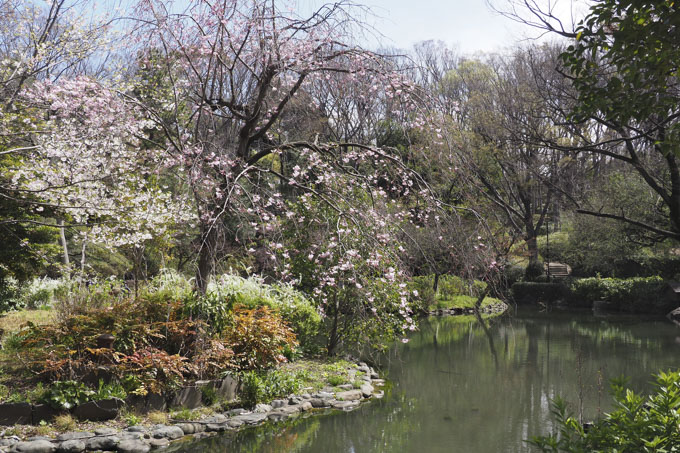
x=64 y=245
x=435 y=285
x=532 y=248
x=206 y=257
x=82 y=256
x=137 y=254
x=333 y=335
x=480 y=298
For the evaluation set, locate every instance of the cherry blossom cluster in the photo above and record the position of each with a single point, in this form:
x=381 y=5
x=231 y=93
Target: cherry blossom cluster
x=89 y=161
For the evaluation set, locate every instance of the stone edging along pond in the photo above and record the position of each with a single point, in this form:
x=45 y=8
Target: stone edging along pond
x=141 y=439
x=491 y=309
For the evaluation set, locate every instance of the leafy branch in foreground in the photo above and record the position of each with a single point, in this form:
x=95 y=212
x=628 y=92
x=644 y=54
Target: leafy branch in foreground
x=640 y=424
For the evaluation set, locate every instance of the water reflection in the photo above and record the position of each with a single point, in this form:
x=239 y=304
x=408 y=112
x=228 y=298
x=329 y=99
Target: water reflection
x=461 y=385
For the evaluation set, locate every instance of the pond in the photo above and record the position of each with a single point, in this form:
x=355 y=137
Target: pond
x=460 y=387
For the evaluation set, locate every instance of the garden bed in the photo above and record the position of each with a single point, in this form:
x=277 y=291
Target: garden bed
x=332 y=385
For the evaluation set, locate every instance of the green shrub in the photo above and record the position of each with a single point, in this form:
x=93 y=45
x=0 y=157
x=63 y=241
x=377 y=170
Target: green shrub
x=41 y=291
x=209 y=395
x=213 y=308
x=513 y=273
x=252 y=389
x=450 y=290
x=78 y=296
x=478 y=287
x=450 y=286
x=259 y=387
x=533 y=271
x=67 y=394
x=229 y=291
x=640 y=424
x=109 y=390
x=10 y=296
x=632 y=294
x=299 y=313
x=131 y=419
x=423 y=297
x=535 y=292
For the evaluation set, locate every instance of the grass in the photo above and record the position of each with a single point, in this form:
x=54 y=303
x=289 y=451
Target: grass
x=316 y=375
x=157 y=417
x=190 y=414
x=465 y=302
x=64 y=422
x=15 y=320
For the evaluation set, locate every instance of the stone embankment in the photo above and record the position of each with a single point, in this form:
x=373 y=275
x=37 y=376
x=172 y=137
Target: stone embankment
x=141 y=439
x=491 y=309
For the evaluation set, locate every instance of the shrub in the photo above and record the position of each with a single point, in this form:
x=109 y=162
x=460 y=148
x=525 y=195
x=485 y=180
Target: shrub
x=209 y=395
x=67 y=394
x=131 y=419
x=156 y=369
x=170 y=282
x=213 y=358
x=229 y=291
x=449 y=289
x=9 y=295
x=259 y=338
x=258 y=386
x=109 y=390
x=640 y=424
x=534 y=292
x=465 y=302
x=78 y=296
x=143 y=330
x=478 y=287
x=513 y=273
x=422 y=291
x=300 y=314
x=450 y=286
x=41 y=291
x=533 y=271
x=632 y=294
x=252 y=389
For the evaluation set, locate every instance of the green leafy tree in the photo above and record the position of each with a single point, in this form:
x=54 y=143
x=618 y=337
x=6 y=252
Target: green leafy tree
x=623 y=67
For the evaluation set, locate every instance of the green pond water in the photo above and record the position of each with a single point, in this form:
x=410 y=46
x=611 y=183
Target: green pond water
x=458 y=387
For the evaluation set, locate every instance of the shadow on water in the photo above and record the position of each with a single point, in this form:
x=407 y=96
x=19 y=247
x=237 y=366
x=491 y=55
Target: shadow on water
x=465 y=384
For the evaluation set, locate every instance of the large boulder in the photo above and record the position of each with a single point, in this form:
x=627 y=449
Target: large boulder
x=104 y=443
x=349 y=395
x=167 y=432
x=34 y=446
x=133 y=446
x=72 y=446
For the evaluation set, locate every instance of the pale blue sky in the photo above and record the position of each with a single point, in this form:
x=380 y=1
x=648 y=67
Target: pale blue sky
x=470 y=25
